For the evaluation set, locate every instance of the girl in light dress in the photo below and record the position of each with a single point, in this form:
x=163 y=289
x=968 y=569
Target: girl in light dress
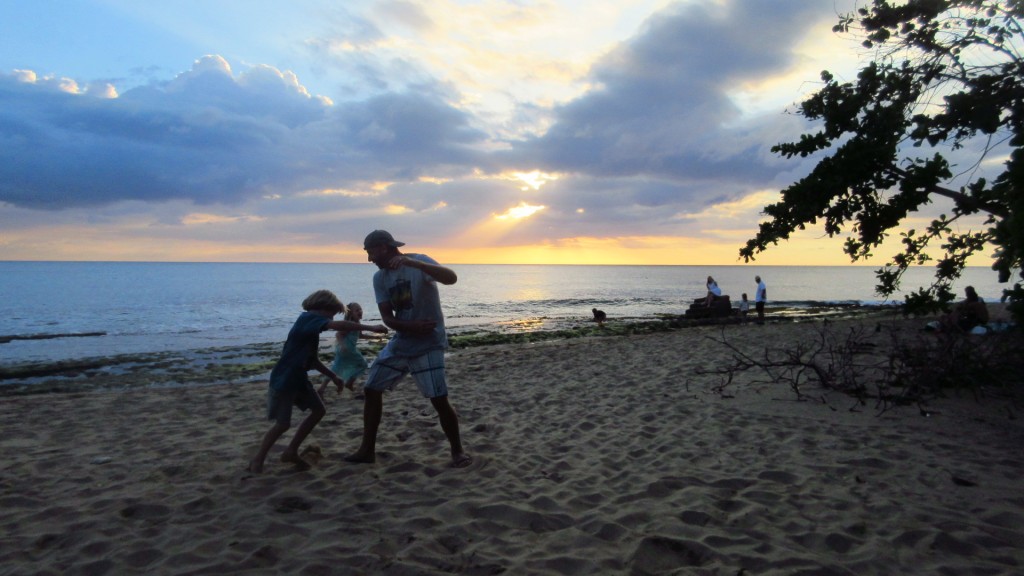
x=349 y=362
x=713 y=291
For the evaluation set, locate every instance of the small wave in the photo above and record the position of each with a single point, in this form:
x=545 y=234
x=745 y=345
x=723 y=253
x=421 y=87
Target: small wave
x=4 y=339
x=815 y=303
x=804 y=304
x=554 y=303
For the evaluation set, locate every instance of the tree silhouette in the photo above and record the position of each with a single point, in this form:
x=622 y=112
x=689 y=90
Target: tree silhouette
x=946 y=81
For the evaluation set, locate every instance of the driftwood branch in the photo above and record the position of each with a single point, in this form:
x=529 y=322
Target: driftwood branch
x=874 y=363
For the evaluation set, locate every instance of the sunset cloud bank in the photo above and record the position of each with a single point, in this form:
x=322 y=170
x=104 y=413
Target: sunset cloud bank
x=638 y=130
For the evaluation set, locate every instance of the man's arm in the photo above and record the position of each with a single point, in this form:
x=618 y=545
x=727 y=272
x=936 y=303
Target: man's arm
x=442 y=274
x=387 y=316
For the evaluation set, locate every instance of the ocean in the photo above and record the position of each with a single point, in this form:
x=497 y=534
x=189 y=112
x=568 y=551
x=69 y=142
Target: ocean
x=115 y=308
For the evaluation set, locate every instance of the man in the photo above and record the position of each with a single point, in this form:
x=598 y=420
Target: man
x=405 y=288
x=760 y=298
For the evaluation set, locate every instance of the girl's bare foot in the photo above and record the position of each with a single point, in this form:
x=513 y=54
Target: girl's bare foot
x=255 y=467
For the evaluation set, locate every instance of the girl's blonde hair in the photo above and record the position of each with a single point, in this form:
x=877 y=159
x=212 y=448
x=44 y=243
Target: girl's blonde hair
x=323 y=300
x=350 y=312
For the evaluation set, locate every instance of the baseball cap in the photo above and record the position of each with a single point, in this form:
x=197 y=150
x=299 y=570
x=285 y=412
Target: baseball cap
x=378 y=237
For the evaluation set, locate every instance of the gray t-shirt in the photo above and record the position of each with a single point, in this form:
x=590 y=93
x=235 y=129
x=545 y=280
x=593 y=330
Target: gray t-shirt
x=413 y=295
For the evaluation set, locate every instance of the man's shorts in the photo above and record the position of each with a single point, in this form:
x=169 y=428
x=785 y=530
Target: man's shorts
x=279 y=403
x=427 y=370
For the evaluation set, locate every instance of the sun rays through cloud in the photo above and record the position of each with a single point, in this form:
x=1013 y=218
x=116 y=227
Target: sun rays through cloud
x=523 y=210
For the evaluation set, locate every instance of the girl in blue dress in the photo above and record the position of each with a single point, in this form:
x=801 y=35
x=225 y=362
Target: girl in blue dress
x=349 y=362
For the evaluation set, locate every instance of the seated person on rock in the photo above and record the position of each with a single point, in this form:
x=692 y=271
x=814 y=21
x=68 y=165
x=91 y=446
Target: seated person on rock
x=713 y=291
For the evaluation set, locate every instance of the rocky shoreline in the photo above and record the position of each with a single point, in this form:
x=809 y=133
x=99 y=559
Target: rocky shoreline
x=240 y=364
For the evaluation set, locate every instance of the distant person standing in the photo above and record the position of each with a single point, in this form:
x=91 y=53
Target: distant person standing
x=405 y=287
x=760 y=297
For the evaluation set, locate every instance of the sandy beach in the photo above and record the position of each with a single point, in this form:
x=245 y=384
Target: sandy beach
x=608 y=455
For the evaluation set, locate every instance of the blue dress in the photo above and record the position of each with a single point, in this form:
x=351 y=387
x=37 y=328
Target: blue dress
x=348 y=360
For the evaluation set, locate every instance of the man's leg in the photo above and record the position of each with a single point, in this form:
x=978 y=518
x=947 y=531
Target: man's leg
x=373 y=410
x=450 y=424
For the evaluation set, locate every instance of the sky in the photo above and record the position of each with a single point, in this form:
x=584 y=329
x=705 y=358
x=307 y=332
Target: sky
x=550 y=131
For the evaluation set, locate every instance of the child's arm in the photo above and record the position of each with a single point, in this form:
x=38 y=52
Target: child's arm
x=323 y=369
x=349 y=326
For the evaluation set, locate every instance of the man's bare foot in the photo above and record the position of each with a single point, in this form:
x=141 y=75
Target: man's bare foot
x=359 y=458
x=255 y=467
x=300 y=463
x=461 y=460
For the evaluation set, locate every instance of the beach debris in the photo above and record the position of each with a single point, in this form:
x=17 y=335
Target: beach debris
x=962 y=482
x=312 y=454
x=599 y=316
x=553 y=476
x=660 y=555
x=290 y=504
x=101 y=460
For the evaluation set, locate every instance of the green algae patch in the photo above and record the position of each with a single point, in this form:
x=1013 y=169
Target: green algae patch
x=127 y=371
x=484 y=338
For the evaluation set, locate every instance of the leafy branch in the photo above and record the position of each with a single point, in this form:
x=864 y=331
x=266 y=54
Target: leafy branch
x=946 y=75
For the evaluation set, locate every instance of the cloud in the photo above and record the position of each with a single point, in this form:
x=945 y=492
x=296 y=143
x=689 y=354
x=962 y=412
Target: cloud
x=662 y=105
x=213 y=136
x=643 y=136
